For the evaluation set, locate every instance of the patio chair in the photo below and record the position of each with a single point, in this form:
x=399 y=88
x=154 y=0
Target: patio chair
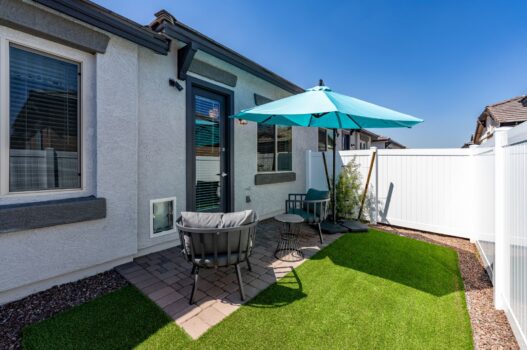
x=312 y=206
x=212 y=240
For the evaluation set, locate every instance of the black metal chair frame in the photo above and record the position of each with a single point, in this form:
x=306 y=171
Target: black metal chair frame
x=318 y=208
x=242 y=251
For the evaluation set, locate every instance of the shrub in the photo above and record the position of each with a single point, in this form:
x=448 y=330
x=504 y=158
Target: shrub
x=348 y=190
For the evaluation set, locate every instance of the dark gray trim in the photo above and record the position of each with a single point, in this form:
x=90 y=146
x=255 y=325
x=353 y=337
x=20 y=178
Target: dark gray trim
x=274 y=178
x=188 y=35
x=185 y=55
x=260 y=100
x=102 y=18
x=21 y=217
x=208 y=71
x=229 y=134
x=36 y=21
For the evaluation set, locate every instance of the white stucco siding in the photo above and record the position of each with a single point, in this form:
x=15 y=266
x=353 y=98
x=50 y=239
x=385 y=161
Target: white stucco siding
x=162 y=120
x=38 y=259
x=267 y=200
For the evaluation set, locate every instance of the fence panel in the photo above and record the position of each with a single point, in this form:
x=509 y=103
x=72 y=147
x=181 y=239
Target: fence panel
x=515 y=229
x=483 y=206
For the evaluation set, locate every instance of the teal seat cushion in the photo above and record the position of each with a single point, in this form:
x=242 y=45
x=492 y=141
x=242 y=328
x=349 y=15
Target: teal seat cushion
x=315 y=195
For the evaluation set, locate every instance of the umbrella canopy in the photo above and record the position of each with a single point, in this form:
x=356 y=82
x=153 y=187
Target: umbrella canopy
x=321 y=107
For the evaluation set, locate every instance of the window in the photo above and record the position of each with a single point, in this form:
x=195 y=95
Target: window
x=162 y=216
x=275 y=148
x=44 y=122
x=346 y=141
x=325 y=140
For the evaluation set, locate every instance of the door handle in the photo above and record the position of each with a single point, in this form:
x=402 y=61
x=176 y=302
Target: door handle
x=222 y=174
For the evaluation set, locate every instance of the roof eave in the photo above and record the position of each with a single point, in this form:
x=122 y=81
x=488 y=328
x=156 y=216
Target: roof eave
x=201 y=42
x=104 y=19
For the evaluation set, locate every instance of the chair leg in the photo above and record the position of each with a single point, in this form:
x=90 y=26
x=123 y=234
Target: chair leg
x=240 y=282
x=320 y=233
x=195 y=271
x=249 y=264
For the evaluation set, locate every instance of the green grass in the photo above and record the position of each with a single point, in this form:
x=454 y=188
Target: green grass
x=366 y=291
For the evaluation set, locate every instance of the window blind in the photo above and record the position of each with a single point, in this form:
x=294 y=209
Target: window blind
x=43 y=122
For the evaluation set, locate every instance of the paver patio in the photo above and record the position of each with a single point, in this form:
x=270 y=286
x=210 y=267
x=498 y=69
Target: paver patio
x=165 y=277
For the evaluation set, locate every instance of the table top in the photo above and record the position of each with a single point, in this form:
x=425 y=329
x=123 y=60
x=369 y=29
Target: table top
x=289 y=218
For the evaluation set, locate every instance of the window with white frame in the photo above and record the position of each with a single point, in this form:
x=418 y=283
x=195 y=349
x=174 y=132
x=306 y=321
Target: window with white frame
x=275 y=148
x=162 y=213
x=42 y=121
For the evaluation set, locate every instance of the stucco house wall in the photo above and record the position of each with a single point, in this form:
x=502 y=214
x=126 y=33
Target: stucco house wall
x=133 y=151
x=36 y=259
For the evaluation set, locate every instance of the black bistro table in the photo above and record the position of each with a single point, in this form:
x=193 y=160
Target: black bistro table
x=288 y=248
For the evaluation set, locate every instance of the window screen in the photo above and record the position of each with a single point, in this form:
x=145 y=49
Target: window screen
x=43 y=121
x=266 y=147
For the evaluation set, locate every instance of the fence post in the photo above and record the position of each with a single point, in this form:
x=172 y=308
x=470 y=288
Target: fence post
x=475 y=187
x=375 y=216
x=501 y=248
x=308 y=169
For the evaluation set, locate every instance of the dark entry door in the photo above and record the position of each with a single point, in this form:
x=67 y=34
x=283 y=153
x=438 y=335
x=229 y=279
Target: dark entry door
x=210 y=164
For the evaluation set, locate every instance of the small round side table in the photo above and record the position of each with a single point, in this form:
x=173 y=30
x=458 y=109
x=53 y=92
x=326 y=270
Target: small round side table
x=288 y=248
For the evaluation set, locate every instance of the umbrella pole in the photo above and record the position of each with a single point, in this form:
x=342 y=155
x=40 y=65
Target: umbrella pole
x=334 y=180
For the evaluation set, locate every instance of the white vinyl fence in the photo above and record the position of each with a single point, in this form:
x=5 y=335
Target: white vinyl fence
x=478 y=193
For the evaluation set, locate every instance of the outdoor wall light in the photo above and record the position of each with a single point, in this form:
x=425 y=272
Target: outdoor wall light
x=175 y=84
x=242 y=121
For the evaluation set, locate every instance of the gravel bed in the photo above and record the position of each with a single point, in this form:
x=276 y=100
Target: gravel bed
x=40 y=306
x=490 y=327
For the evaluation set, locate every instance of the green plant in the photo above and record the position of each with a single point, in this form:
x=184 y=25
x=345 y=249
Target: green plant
x=348 y=190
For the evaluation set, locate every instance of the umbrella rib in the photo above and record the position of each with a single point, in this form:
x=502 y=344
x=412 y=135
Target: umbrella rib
x=338 y=118
x=266 y=119
x=353 y=120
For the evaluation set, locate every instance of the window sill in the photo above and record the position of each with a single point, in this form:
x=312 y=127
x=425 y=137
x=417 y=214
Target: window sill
x=274 y=178
x=27 y=216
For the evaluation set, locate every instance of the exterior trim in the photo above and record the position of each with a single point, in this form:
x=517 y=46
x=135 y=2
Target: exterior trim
x=209 y=71
x=185 y=55
x=190 y=165
x=188 y=35
x=274 y=178
x=102 y=18
x=21 y=217
x=36 y=21
x=260 y=100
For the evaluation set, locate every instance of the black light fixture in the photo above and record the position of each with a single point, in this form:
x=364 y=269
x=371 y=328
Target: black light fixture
x=174 y=83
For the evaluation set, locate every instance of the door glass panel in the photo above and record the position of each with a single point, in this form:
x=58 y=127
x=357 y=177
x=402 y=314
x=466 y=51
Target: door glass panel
x=207 y=150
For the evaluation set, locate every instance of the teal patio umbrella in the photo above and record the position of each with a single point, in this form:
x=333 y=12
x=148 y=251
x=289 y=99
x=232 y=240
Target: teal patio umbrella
x=320 y=107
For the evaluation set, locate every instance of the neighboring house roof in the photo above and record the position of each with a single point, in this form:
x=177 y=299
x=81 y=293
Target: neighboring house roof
x=387 y=140
x=158 y=40
x=509 y=112
x=513 y=110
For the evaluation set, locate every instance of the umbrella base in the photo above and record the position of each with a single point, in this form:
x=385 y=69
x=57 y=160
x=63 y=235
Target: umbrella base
x=330 y=228
x=354 y=226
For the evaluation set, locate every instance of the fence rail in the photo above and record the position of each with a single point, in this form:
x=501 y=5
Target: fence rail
x=478 y=193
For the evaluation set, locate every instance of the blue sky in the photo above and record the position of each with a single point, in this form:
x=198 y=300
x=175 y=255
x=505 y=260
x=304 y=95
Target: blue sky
x=442 y=61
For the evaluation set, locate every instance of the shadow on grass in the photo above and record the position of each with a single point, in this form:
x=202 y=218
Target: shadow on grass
x=284 y=292
x=419 y=265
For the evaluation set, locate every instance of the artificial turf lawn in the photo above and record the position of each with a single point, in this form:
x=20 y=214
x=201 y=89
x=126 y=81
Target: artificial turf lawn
x=367 y=291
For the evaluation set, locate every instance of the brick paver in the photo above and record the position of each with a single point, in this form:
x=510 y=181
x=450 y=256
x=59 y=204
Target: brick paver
x=165 y=277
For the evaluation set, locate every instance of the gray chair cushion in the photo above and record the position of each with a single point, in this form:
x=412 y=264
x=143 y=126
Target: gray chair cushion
x=201 y=220
x=237 y=219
